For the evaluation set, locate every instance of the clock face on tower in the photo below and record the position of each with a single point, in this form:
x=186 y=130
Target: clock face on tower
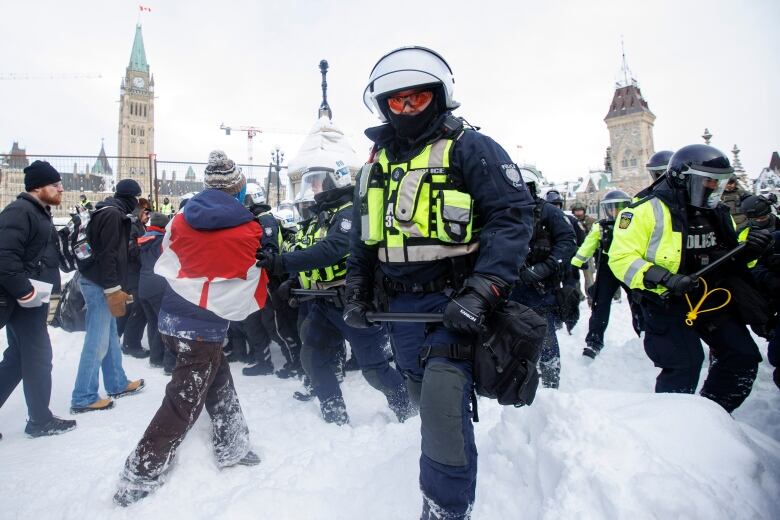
x=138 y=82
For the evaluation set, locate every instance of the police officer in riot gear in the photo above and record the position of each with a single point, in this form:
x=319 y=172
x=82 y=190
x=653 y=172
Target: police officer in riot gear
x=323 y=329
x=259 y=328
x=442 y=220
x=758 y=210
x=656 y=167
x=570 y=277
x=551 y=248
x=597 y=244
x=658 y=243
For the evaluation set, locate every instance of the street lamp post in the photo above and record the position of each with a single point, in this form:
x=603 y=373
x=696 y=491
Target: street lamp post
x=277 y=157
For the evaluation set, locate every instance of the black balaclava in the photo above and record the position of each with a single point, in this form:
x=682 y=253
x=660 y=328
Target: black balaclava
x=412 y=127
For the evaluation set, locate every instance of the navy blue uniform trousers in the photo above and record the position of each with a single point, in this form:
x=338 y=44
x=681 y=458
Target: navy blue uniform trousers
x=676 y=349
x=448 y=463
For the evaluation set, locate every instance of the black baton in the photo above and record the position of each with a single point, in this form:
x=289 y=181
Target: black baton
x=408 y=317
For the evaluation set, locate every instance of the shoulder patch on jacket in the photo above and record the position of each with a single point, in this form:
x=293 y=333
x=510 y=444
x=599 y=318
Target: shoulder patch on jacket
x=512 y=175
x=345 y=225
x=625 y=219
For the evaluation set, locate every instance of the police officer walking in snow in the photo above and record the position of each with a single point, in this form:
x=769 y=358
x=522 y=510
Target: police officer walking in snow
x=552 y=246
x=323 y=329
x=597 y=244
x=441 y=222
x=658 y=243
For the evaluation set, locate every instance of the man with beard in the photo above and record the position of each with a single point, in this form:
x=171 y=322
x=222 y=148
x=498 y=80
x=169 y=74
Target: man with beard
x=28 y=249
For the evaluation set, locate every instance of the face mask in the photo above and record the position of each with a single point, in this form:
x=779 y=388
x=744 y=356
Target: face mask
x=410 y=127
x=241 y=194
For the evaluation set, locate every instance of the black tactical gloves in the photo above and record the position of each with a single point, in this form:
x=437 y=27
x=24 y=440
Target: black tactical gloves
x=539 y=272
x=272 y=263
x=358 y=296
x=757 y=242
x=468 y=309
x=678 y=284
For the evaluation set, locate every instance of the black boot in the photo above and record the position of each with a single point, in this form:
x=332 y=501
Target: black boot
x=308 y=391
x=54 y=427
x=250 y=459
x=289 y=370
x=125 y=497
x=258 y=369
x=335 y=411
x=139 y=353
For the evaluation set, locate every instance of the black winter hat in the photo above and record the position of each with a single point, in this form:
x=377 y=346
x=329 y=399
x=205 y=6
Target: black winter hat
x=40 y=174
x=127 y=188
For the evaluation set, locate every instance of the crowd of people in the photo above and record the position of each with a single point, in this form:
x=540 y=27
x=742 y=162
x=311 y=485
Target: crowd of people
x=439 y=221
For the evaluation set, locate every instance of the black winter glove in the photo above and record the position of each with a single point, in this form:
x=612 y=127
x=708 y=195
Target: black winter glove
x=757 y=242
x=271 y=262
x=282 y=293
x=359 y=302
x=539 y=272
x=479 y=295
x=678 y=284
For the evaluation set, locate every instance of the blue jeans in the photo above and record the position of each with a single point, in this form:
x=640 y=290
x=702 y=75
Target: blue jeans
x=101 y=349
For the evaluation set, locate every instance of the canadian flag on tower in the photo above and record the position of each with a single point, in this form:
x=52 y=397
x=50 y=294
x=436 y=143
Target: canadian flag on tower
x=147 y=9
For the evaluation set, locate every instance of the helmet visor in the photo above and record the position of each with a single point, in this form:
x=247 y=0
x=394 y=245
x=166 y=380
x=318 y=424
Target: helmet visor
x=311 y=184
x=656 y=172
x=705 y=188
x=610 y=208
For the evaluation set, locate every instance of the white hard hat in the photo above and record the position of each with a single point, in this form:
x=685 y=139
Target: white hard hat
x=406 y=68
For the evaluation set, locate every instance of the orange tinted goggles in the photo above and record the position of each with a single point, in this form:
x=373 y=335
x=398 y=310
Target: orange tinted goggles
x=416 y=101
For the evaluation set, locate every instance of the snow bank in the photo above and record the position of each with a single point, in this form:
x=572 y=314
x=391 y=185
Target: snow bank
x=590 y=450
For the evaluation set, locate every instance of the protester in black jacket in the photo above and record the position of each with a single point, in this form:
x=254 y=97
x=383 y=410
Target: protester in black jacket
x=130 y=327
x=104 y=286
x=151 y=288
x=28 y=251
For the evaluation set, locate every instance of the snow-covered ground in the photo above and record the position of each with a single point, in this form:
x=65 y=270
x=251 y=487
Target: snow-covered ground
x=602 y=447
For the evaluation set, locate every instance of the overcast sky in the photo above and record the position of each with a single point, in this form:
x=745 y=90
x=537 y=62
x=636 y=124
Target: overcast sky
x=536 y=76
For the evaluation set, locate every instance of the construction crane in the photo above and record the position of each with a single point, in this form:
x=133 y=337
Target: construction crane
x=251 y=132
x=53 y=75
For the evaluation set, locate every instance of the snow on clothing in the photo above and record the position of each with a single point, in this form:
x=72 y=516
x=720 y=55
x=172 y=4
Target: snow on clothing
x=201 y=378
x=208 y=260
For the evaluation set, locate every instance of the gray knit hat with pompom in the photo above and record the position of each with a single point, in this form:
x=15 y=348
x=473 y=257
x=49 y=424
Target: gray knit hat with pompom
x=222 y=174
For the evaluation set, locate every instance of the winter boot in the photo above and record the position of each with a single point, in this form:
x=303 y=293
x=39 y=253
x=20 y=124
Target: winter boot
x=55 y=426
x=100 y=404
x=250 y=459
x=126 y=496
x=308 y=391
x=335 y=411
x=289 y=370
x=258 y=369
x=131 y=388
x=351 y=364
x=138 y=353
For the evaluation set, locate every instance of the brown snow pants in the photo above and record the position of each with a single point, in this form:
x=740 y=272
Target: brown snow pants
x=201 y=378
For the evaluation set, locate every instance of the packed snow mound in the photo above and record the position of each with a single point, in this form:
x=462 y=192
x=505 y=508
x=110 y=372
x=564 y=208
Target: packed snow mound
x=603 y=454
x=325 y=144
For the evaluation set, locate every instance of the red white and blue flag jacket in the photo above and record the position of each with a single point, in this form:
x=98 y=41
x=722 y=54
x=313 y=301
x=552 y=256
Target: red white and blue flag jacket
x=208 y=260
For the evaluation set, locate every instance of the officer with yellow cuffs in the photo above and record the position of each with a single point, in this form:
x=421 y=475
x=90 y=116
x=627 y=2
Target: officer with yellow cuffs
x=323 y=261
x=658 y=243
x=442 y=221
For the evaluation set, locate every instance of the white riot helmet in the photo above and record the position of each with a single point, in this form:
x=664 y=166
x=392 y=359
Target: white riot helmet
x=406 y=68
x=255 y=195
x=318 y=179
x=531 y=180
x=287 y=213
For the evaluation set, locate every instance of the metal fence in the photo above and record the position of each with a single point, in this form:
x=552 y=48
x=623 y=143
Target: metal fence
x=100 y=173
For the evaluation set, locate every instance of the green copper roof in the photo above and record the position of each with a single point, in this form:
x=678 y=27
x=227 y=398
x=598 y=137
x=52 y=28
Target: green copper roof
x=138 y=55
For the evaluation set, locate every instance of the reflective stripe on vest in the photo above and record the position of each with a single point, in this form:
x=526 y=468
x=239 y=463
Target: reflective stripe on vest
x=413 y=211
x=315 y=233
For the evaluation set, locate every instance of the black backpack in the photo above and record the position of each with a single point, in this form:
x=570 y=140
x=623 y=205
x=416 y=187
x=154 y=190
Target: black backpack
x=71 y=311
x=506 y=357
x=74 y=249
